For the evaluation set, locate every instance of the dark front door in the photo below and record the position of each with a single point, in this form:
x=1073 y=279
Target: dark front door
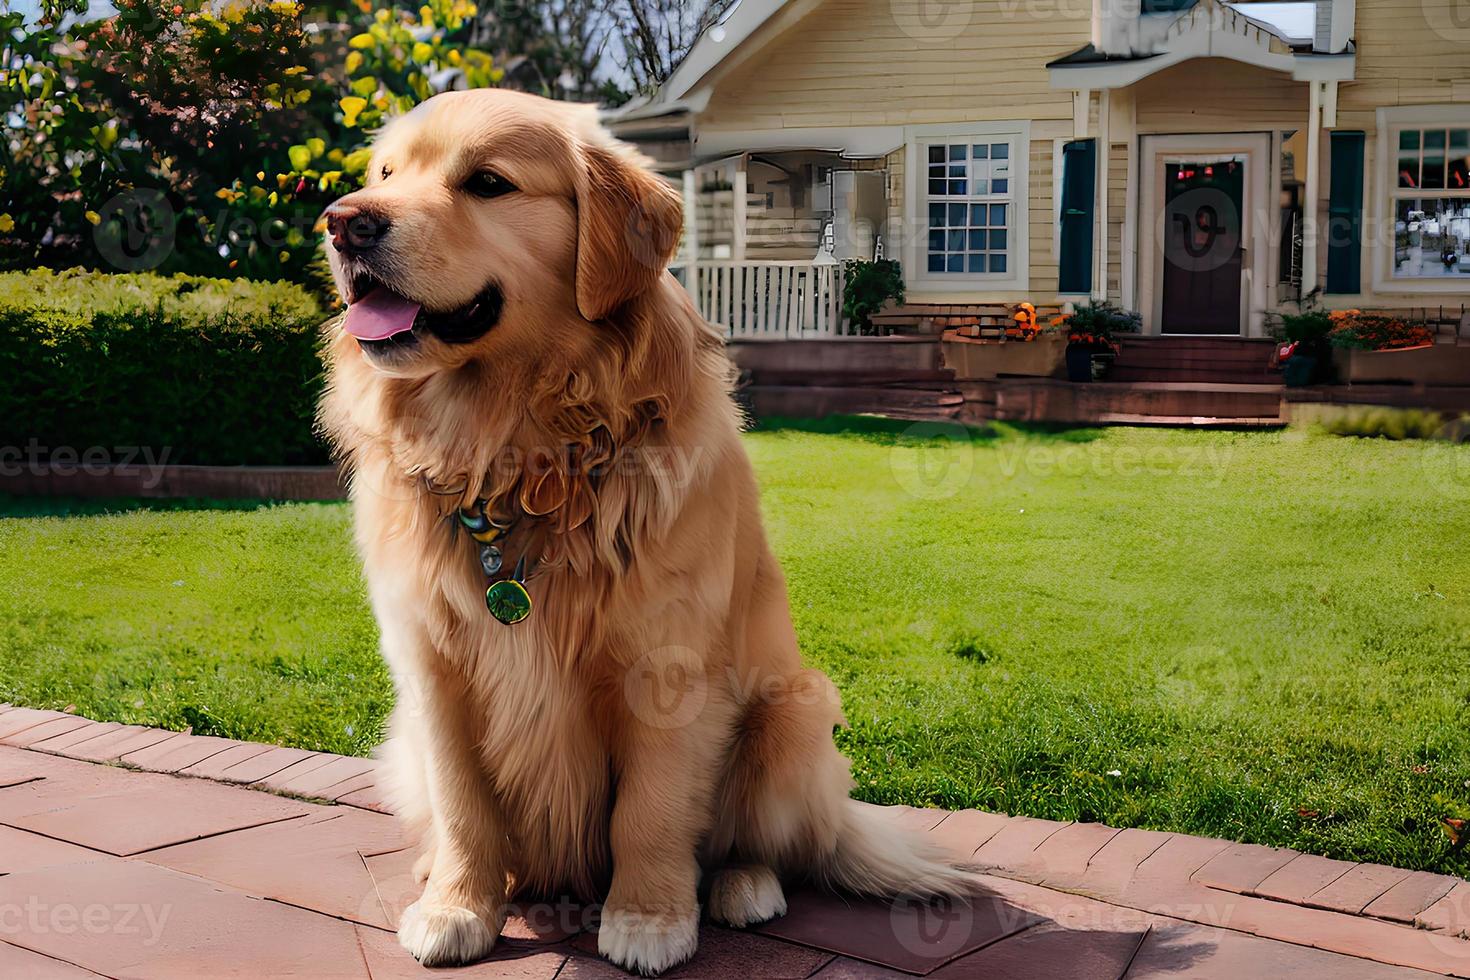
x=1203 y=247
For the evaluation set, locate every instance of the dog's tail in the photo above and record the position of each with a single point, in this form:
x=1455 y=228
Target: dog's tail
x=877 y=855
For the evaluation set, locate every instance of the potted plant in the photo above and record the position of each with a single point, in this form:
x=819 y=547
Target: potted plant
x=1387 y=348
x=1091 y=346
x=866 y=288
x=1305 y=354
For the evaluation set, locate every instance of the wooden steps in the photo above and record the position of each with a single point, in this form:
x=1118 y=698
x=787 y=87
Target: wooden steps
x=817 y=401
x=1202 y=404
x=1221 y=360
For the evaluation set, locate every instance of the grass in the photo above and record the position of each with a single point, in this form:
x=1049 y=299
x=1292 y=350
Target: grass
x=1262 y=636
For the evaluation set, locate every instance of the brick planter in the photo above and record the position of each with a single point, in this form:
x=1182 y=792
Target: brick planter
x=1442 y=364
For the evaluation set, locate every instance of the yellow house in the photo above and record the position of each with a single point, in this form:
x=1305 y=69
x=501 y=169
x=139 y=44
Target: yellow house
x=1204 y=162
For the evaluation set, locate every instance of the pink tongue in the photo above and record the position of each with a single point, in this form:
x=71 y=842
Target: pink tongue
x=380 y=314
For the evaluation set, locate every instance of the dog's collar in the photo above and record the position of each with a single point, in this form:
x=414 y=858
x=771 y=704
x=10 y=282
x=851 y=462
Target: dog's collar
x=506 y=597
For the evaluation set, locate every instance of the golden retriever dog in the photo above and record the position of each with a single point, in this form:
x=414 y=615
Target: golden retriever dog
x=533 y=413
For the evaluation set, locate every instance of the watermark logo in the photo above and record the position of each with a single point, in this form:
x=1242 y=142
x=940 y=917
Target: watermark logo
x=1450 y=19
x=667 y=688
x=135 y=230
x=934 y=461
x=932 y=21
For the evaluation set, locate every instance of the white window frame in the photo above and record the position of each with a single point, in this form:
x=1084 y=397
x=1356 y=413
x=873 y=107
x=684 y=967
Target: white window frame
x=1390 y=122
x=915 y=250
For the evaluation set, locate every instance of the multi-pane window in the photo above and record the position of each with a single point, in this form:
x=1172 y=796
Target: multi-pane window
x=968 y=196
x=1431 y=203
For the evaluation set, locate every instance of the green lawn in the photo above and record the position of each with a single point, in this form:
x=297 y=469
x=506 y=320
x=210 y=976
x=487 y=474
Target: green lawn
x=1262 y=636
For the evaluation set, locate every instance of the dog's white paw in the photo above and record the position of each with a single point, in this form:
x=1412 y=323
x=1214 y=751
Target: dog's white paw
x=648 y=942
x=745 y=895
x=444 y=935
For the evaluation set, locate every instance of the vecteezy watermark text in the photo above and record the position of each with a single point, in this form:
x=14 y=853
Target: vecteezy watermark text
x=36 y=917
x=39 y=460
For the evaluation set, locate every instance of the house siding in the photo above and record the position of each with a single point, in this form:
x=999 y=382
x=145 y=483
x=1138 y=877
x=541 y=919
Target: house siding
x=865 y=63
x=1407 y=55
x=861 y=63
x=1117 y=204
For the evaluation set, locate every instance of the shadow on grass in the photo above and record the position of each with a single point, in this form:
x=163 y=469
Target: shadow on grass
x=12 y=506
x=889 y=432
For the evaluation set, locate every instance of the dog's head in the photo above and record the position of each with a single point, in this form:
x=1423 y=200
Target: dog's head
x=489 y=217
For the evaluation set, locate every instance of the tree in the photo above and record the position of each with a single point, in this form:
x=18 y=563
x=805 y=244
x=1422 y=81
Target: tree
x=655 y=35
x=555 y=48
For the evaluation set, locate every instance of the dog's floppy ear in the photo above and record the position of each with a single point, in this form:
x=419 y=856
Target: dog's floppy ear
x=628 y=225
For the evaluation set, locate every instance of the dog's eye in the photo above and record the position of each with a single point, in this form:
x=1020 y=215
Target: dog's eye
x=385 y=172
x=487 y=183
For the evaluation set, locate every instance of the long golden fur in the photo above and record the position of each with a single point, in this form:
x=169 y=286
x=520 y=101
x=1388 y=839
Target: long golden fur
x=650 y=724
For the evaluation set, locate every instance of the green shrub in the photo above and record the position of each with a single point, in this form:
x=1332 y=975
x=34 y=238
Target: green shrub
x=1384 y=423
x=866 y=287
x=207 y=370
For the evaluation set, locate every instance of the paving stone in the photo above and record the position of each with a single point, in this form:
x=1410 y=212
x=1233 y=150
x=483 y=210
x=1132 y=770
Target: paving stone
x=539 y=922
x=842 y=968
x=1064 y=855
x=923 y=819
x=1450 y=914
x=318 y=779
x=215 y=766
x=1356 y=889
x=1241 y=867
x=18 y=720
x=370 y=798
x=1202 y=953
x=1178 y=858
x=18 y=766
x=60 y=743
x=45 y=730
x=24 y=851
x=22 y=765
x=124 y=812
x=907 y=935
x=22 y=964
x=1047 y=952
x=1303 y=875
x=271 y=763
x=1114 y=865
x=137 y=920
x=723 y=955
x=386 y=960
x=314 y=862
x=964 y=831
x=1014 y=847
x=177 y=753
x=1416 y=893
x=114 y=745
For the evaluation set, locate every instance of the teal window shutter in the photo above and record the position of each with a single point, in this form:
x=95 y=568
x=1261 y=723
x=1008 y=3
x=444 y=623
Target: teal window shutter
x=1345 y=214
x=1079 y=192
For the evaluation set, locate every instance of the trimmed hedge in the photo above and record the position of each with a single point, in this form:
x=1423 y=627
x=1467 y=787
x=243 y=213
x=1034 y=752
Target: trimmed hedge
x=212 y=371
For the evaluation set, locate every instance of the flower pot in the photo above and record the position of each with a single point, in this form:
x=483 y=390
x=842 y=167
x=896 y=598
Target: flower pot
x=1299 y=370
x=1079 y=363
x=1101 y=365
x=985 y=359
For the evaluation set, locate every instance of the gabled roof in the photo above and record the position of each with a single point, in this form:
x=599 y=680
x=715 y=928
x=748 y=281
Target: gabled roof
x=740 y=21
x=1268 y=38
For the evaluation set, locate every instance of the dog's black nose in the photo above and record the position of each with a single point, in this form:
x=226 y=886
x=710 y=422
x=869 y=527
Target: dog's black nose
x=354 y=229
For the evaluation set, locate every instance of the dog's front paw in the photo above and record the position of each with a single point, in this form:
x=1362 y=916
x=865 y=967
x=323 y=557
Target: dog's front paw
x=444 y=935
x=646 y=941
x=745 y=896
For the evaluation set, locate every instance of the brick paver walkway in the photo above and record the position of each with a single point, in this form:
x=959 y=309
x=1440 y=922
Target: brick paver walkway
x=113 y=864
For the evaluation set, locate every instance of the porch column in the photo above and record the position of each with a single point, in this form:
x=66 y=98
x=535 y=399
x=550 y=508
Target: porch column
x=1104 y=151
x=1313 y=188
x=737 y=233
x=691 y=233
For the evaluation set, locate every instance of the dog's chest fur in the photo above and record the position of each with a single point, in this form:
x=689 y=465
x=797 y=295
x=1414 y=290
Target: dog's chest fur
x=532 y=716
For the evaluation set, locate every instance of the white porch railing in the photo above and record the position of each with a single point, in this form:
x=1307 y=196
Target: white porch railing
x=771 y=299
